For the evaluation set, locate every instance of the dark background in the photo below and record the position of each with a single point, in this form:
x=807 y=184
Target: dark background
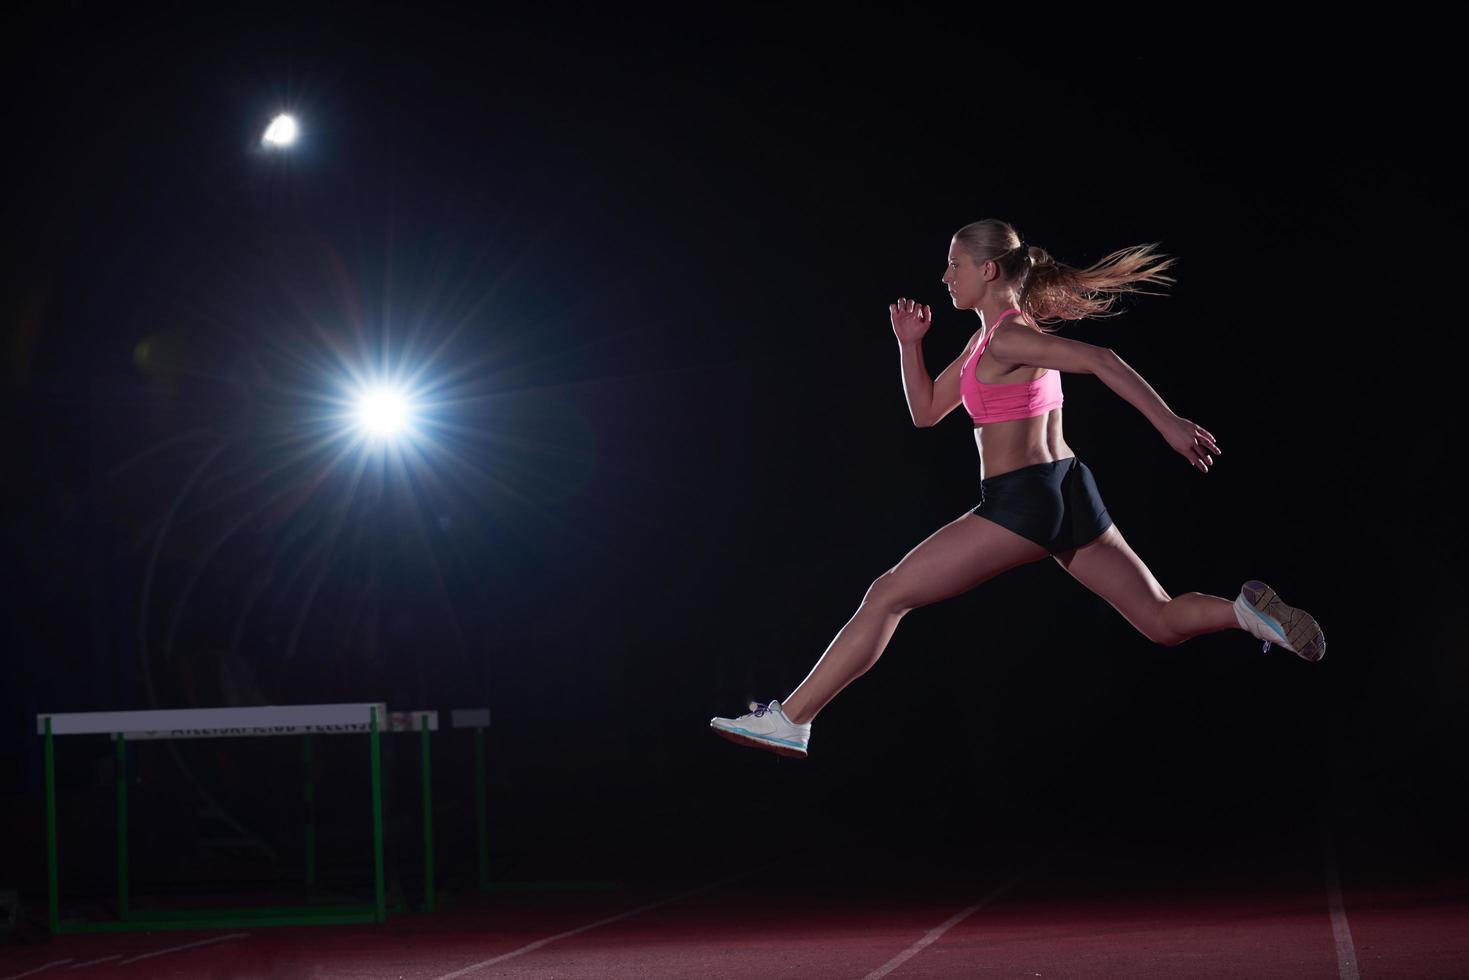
x=642 y=267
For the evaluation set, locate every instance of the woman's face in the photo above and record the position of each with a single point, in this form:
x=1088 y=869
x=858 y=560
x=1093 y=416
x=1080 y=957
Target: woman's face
x=964 y=279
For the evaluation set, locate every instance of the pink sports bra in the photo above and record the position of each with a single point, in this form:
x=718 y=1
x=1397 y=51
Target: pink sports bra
x=1006 y=402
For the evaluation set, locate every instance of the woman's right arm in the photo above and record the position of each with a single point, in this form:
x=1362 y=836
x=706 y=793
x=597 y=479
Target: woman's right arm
x=928 y=399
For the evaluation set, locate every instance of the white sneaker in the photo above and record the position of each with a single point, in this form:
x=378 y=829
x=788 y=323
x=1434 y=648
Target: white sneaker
x=765 y=727
x=1261 y=613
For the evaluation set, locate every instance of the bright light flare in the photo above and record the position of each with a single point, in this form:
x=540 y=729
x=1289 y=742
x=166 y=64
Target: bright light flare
x=383 y=412
x=281 y=132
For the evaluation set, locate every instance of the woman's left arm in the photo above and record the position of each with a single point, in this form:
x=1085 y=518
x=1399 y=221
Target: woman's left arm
x=1023 y=345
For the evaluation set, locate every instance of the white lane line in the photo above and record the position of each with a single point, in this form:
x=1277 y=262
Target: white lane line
x=532 y=947
x=37 y=969
x=105 y=959
x=933 y=934
x=175 y=949
x=1346 y=952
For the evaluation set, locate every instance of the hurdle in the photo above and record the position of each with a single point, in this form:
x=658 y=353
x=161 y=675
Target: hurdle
x=264 y=721
x=477 y=719
x=424 y=722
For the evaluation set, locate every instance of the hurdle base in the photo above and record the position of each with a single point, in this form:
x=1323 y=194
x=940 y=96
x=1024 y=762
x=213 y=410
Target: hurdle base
x=147 y=920
x=551 y=886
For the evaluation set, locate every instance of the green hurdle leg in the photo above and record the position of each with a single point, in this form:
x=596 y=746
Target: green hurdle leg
x=122 y=827
x=52 y=899
x=377 y=817
x=310 y=800
x=481 y=830
x=428 y=823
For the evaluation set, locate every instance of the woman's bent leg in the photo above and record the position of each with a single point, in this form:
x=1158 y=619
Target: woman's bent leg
x=1111 y=569
x=954 y=559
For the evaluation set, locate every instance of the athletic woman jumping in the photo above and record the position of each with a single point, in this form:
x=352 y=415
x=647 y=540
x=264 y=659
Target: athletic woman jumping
x=1036 y=498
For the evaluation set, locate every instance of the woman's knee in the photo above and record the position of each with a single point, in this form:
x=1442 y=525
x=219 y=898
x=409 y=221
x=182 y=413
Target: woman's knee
x=890 y=593
x=1160 y=631
x=1152 y=623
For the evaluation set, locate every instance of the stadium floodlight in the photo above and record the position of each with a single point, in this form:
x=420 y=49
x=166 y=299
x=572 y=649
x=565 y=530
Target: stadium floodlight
x=383 y=412
x=281 y=132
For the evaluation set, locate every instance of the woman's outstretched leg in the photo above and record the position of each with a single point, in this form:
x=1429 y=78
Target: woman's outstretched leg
x=1113 y=571
x=953 y=559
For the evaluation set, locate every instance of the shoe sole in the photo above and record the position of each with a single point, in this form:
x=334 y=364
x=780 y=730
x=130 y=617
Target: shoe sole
x=741 y=738
x=1302 y=634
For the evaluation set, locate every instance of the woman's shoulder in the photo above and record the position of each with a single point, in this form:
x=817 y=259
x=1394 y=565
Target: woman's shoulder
x=1005 y=328
x=1021 y=345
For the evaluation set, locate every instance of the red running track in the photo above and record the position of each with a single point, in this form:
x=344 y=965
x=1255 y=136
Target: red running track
x=1061 y=916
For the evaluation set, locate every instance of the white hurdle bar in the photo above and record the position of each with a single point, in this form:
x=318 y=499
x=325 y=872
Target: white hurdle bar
x=412 y=721
x=265 y=720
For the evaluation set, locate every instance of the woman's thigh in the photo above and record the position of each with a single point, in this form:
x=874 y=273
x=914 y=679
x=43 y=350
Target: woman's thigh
x=954 y=559
x=1111 y=569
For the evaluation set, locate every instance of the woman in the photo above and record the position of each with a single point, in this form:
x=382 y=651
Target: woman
x=1036 y=498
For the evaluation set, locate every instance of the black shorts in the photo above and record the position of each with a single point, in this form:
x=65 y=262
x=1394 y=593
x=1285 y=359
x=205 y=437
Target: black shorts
x=1056 y=505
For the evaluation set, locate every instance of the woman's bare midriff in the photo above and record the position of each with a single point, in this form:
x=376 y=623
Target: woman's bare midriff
x=1006 y=446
